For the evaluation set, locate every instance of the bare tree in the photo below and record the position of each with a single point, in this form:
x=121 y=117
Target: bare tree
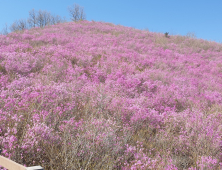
x=40 y=19
x=19 y=25
x=45 y=18
x=191 y=35
x=14 y=26
x=82 y=15
x=22 y=24
x=5 y=29
x=55 y=19
x=76 y=13
x=32 y=18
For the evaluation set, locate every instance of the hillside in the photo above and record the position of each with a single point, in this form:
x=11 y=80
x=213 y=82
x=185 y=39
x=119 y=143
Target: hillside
x=93 y=95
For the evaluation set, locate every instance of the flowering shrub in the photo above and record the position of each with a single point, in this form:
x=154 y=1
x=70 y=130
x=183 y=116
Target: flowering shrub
x=93 y=95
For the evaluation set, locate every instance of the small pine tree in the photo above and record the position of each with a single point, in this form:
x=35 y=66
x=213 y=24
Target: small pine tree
x=167 y=34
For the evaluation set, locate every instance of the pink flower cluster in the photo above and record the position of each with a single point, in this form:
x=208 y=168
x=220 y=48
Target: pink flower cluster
x=97 y=95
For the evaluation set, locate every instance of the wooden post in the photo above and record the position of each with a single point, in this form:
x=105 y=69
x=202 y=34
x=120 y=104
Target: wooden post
x=11 y=165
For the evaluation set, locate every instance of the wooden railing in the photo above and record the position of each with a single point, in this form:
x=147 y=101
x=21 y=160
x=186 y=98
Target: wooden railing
x=11 y=165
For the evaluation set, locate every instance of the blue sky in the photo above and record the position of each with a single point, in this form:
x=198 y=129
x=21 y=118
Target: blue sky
x=178 y=17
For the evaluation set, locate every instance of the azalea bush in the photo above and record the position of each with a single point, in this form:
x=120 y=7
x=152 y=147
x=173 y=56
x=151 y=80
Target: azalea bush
x=94 y=95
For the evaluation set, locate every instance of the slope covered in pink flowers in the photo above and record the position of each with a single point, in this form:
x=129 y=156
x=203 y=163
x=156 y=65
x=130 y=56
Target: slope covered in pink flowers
x=93 y=95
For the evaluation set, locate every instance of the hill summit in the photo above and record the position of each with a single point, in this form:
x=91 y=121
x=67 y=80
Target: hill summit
x=94 y=95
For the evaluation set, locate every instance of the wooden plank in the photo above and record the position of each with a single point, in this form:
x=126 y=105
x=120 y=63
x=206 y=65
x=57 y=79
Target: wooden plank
x=10 y=165
x=34 y=168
